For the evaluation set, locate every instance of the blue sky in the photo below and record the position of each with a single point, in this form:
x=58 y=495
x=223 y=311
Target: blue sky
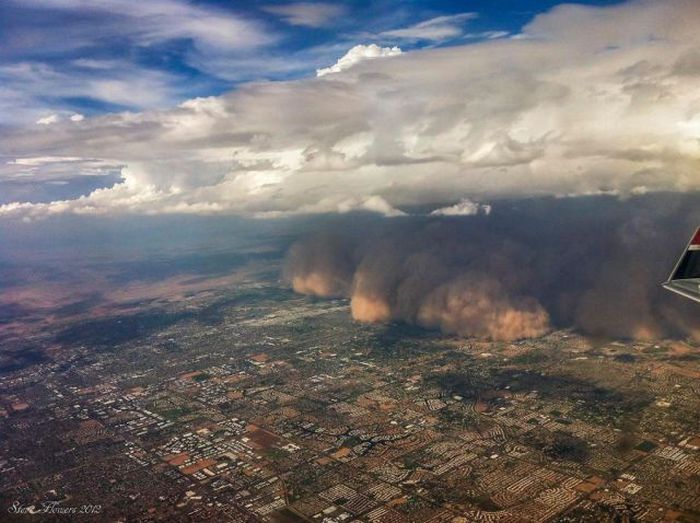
x=91 y=57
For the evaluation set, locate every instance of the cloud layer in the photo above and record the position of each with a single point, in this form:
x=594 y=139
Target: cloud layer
x=309 y=14
x=435 y=29
x=592 y=263
x=584 y=101
x=64 y=53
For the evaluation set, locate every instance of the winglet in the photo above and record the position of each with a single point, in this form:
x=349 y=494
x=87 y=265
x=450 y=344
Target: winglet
x=685 y=277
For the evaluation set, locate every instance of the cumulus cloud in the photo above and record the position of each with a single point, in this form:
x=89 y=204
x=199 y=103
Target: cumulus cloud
x=589 y=100
x=306 y=13
x=464 y=207
x=358 y=54
x=375 y=204
x=436 y=29
x=594 y=264
x=48 y=120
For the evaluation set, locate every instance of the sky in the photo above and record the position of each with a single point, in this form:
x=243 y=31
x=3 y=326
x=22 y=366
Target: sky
x=92 y=57
x=270 y=109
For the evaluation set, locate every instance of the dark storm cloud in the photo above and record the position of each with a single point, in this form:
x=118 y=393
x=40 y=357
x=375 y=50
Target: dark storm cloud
x=593 y=263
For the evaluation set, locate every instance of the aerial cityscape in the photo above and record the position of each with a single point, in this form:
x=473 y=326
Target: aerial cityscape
x=286 y=410
x=200 y=397
x=358 y=261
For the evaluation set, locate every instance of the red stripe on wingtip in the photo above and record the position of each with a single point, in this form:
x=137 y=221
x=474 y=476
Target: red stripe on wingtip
x=696 y=238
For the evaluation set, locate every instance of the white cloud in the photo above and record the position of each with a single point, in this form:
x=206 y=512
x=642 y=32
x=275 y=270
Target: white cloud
x=590 y=100
x=464 y=207
x=358 y=54
x=77 y=117
x=38 y=69
x=157 y=21
x=306 y=13
x=48 y=120
x=43 y=160
x=26 y=84
x=375 y=204
x=435 y=29
x=488 y=35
